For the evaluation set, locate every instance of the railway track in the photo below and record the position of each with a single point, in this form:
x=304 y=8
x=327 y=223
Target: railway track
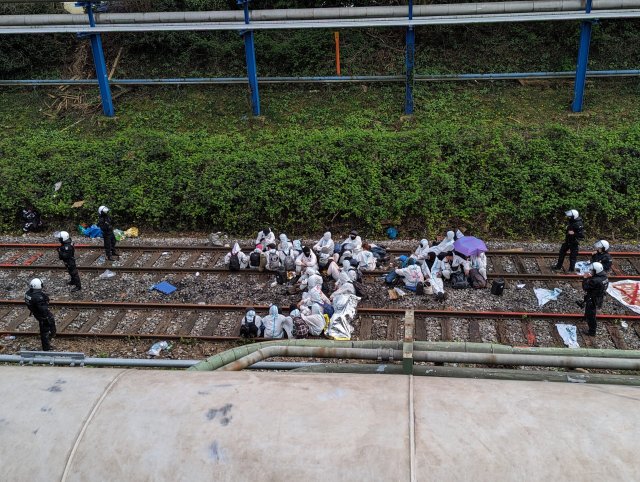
x=222 y=323
x=508 y=264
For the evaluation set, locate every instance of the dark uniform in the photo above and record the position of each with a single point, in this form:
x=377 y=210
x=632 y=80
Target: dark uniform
x=604 y=258
x=38 y=303
x=106 y=225
x=571 y=243
x=594 y=289
x=31 y=219
x=66 y=252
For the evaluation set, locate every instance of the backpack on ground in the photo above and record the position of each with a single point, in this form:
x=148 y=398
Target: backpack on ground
x=249 y=330
x=273 y=261
x=234 y=262
x=254 y=259
x=300 y=328
x=459 y=280
x=359 y=287
x=476 y=280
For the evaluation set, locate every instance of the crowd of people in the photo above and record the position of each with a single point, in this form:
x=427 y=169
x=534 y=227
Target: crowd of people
x=328 y=276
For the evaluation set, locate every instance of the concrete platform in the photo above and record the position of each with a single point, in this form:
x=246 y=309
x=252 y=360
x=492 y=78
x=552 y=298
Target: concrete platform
x=83 y=424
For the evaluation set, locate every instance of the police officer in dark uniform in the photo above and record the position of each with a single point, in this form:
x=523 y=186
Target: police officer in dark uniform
x=106 y=225
x=66 y=252
x=574 y=233
x=38 y=303
x=595 y=285
x=601 y=254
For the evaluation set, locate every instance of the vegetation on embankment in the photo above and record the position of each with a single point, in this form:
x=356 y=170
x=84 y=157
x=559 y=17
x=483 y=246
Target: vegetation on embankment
x=501 y=158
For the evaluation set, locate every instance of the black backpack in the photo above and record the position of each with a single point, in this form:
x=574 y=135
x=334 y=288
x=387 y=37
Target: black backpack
x=459 y=280
x=254 y=259
x=234 y=263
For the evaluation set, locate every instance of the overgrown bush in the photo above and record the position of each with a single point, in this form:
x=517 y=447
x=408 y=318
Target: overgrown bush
x=503 y=182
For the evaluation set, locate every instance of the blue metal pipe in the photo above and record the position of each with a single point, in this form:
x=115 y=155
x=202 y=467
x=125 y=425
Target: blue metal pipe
x=101 y=67
x=324 y=79
x=410 y=61
x=583 y=60
x=252 y=68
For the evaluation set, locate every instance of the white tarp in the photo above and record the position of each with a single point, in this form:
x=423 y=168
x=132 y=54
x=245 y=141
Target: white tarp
x=627 y=292
x=345 y=311
x=583 y=267
x=569 y=335
x=544 y=295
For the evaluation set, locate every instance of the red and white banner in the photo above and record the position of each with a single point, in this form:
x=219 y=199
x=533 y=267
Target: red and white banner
x=626 y=292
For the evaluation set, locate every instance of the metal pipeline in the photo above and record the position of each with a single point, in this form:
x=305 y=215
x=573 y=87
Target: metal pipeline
x=478 y=8
x=326 y=79
x=477 y=373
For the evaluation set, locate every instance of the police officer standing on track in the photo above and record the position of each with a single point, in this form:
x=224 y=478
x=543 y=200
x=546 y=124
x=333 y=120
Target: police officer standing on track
x=573 y=234
x=66 y=252
x=106 y=226
x=602 y=255
x=595 y=285
x=38 y=303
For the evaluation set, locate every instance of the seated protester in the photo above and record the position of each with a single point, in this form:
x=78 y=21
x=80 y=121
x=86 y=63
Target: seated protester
x=456 y=264
x=299 y=329
x=284 y=241
x=344 y=286
x=478 y=262
x=445 y=245
x=421 y=253
x=314 y=318
x=353 y=244
x=366 y=260
x=350 y=270
x=310 y=275
x=270 y=259
x=236 y=259
x=287 y=255
x=325 y=245
x=306 y=259
x=324 y=258
x=31 y=219
x=250 y=326
x=436 y=276
x=601 y=254
x=254 y=257
x=265 y=238
x=297 y=247
x=275 y=325
x=412 y=276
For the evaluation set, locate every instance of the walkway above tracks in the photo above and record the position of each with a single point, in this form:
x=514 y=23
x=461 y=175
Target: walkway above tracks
x=108 y=424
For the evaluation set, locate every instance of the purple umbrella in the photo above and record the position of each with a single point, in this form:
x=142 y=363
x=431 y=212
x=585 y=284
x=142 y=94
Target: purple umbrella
x=470 y=246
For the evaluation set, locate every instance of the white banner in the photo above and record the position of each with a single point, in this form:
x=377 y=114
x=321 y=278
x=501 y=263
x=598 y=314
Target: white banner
x=626 y=292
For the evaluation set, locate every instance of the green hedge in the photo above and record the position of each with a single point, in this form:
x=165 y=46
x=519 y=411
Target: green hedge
x=503 y=182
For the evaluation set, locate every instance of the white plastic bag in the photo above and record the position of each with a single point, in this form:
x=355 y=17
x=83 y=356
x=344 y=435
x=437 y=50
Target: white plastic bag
x=107 y=274
x=156 y=348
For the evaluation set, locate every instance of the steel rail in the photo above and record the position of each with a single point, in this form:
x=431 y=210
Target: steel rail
x=333 y=24
x=106 y=305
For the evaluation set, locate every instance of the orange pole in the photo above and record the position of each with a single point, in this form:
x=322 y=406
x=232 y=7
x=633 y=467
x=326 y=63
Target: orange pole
x=336 y=35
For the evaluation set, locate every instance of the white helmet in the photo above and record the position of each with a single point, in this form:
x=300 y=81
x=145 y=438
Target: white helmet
x=602 y=244
x=36 y=284
x=102 y=209
x=63 y=236
x=597 y=267
x=571 y=213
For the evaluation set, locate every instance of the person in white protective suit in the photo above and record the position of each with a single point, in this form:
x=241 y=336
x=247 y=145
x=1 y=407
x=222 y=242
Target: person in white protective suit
x=457 y=262
x=421 y=253
x=325 y=244
x=478 y=262
x=353 y=243
x=350 y=270
x=445 y=245
x=287 y=254
x=314 y=318
x=411 y=275
x=265 y=238
x=436 y=276
x=270 y=259
x=306 y=259
x=276 y=325
x=365 y=258
x=344 y=286
x=297 y=247
x=242 y=258
x=310 y=274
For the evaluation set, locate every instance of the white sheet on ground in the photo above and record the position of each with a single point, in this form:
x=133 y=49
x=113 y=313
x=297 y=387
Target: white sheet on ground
x=569 y=334
x=627 y=292
x=544 y=295
x=583 y=267
x=345 y=311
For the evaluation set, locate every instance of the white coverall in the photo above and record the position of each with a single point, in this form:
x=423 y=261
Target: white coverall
x=243 y=258
x=314 y=318
x=453 y=266
x=478 y=262
x=445 y=245
x=344 y=286
x=435 y=277
x=265 y=240
x=411 y=275
x=276 y=324
x=303 y=261
x=325 y=245
x=366 y=260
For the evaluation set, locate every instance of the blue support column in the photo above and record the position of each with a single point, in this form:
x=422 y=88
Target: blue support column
x=583 y=60
x=252 y=68
x=409 y=63
x=101 y=65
